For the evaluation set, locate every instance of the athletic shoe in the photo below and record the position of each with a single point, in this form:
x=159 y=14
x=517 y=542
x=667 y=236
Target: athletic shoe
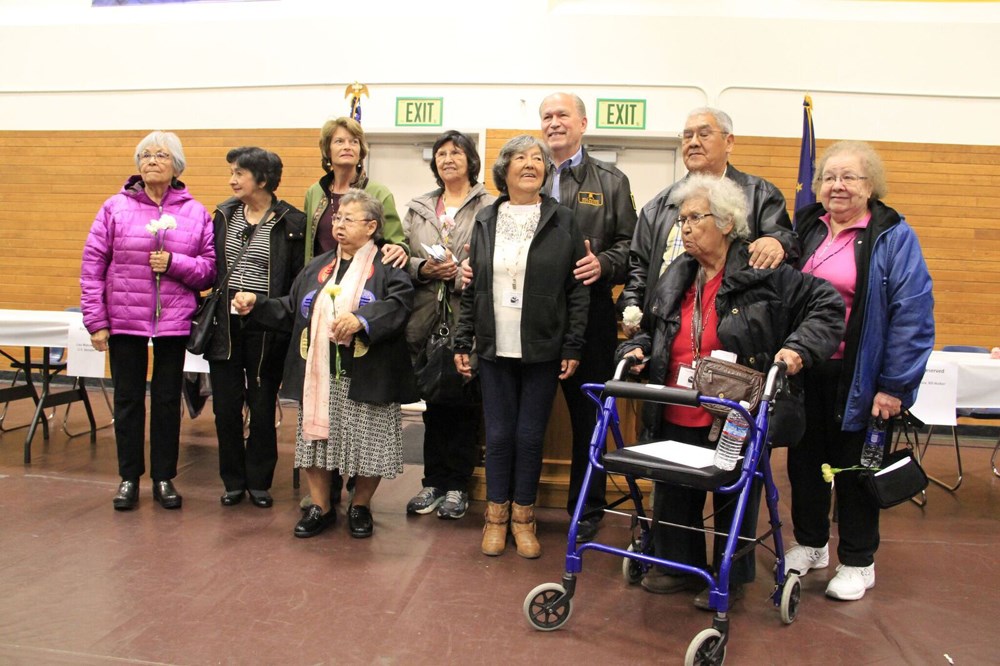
x=454 y=506
x=425 y=501
x=803 y=558
x=850 y=583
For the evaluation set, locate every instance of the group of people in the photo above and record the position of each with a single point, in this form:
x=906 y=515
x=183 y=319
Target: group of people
x=332 y=305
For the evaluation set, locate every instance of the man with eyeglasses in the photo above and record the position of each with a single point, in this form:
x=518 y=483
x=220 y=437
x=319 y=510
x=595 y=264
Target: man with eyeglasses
x=706 y=142
x=600 y=197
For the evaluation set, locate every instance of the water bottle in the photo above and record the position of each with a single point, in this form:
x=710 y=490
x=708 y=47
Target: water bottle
x=871 y=454
x=734 y=433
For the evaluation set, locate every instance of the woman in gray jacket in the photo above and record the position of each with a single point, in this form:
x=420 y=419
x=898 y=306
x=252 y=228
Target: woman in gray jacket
x=438 y=227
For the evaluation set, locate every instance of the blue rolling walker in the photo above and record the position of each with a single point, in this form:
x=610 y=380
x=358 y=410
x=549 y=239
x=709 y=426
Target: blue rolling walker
x=549 y=606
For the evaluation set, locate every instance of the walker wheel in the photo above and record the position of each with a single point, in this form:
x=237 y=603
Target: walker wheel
x=699 y=652
x=631 y=569
x=547 y=607
x=791 y=593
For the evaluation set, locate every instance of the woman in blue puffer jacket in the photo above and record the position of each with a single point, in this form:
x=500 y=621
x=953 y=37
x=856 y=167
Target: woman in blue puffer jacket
x=873 y=258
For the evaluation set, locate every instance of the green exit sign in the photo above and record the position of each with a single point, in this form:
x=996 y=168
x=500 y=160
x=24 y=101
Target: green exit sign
x=418 y=111
x=621 y=114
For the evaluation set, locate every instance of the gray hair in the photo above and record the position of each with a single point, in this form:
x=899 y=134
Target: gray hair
x=167 y=140
x=871 y=163
x=519 y=144
x=581 y=108
x=726 y=201
x=369 y=204
x=722 y=118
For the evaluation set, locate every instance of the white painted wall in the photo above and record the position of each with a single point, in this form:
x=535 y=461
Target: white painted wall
x=897 y=71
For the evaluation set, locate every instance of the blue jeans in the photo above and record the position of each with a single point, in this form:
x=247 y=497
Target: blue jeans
x=517 y=401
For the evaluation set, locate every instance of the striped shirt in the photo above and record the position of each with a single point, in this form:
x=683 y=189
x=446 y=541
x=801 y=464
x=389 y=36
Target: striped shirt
x=253 y=269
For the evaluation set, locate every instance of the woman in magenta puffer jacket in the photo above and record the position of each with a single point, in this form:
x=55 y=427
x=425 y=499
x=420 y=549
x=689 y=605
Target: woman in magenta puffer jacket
x=149 y=253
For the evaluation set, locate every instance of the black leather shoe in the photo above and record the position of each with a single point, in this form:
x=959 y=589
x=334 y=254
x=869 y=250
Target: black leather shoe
x=127 y=497
x=587 y=528
x=314 y=522
x=359 y=519
x=165 y=493
x=261 y=499
x=231 y=497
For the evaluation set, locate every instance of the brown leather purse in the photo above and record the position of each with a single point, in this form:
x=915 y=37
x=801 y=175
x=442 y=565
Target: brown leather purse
x=732 y=381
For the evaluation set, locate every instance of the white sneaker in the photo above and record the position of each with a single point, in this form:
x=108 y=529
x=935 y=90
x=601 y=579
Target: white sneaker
x=850 y=583
x=803 y=558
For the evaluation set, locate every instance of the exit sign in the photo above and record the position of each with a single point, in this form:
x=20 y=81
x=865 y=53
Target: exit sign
x=418 y=111
x=621 y=114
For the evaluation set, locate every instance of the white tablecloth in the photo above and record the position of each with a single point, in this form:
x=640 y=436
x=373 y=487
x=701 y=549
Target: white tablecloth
x=51 y=328
x=36 y=328
x=978 y=378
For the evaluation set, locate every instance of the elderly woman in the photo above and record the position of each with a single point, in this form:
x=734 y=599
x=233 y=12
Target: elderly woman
x=444 y=218
x=874 y=260
x=344 y=149
x=348 y=364
x=148 y=255
x=258 y=244
x=527 y=314
x=710 y=298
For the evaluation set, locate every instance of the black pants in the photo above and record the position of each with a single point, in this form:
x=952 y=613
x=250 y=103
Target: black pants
x=825 y=442
x=517 y=402
x=451 y=445
x=686 y=506
x=129 y=365
x=251 y=376
x=596 y=366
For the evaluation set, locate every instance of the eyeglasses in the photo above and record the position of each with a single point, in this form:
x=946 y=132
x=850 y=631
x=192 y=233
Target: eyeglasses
x=847 y=179
x=703 y=133
x=693 y=218
x=159 y=156
x=340 y=219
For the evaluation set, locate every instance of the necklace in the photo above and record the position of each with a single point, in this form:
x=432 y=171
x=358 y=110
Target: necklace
x=699 y=321
x=812 y=264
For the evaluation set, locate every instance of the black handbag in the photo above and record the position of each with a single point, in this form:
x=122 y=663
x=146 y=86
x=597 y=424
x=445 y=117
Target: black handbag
x=203 y=324
x=787 y=422
x=901 y=476
x=438 y=380
x=204 y=321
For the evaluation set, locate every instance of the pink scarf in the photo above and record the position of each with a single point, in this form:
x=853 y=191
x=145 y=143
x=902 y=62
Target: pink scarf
x=316 y=390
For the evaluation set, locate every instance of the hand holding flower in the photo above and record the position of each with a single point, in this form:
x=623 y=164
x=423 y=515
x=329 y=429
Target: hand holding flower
x=159 y=261
x=343 y=327
x=631 y=318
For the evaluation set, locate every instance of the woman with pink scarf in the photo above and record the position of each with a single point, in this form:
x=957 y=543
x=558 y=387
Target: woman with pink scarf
x=348 y=363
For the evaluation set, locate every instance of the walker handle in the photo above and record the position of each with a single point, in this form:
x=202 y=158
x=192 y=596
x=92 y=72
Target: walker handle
x=652 y=393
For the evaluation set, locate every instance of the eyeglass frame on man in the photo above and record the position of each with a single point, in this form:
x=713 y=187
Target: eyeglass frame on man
x=704 y=132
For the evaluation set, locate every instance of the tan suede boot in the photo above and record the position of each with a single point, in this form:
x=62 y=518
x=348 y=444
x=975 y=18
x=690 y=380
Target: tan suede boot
x=522 y=526
x=495 y=529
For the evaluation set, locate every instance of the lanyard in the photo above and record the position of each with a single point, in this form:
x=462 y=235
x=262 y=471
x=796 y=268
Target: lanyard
x=698 y=323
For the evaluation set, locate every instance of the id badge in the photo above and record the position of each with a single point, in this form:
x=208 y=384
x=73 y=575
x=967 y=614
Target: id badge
x=511 y=299
x=685 y=376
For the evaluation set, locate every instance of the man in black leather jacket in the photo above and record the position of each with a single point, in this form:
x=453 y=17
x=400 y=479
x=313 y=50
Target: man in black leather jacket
x=706 y=143
x=601 y=199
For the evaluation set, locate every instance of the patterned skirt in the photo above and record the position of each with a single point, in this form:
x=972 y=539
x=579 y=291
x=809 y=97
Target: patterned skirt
x=366 y=439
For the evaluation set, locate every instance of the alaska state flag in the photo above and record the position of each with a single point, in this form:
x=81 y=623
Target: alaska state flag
x=807 y=158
